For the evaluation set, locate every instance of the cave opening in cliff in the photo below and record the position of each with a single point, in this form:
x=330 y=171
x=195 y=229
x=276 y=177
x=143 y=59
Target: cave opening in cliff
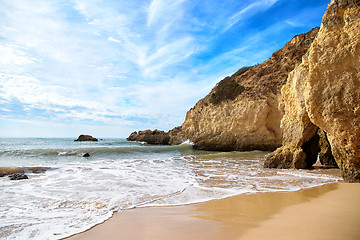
x=318 y=148
x=311 y=149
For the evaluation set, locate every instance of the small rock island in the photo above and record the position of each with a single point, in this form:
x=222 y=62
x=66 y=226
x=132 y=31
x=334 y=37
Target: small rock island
x=84 y=138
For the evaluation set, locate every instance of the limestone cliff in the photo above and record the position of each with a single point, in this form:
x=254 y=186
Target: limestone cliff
x=323 y=92
x=242 y=112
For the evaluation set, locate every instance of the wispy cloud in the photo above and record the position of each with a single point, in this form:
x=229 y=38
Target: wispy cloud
x=164 y=11
x=13 y=56
x=248 y=11
x=124 y=63
x=114 y=40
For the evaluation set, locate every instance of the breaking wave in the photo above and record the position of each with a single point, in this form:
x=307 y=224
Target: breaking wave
x=66 y=193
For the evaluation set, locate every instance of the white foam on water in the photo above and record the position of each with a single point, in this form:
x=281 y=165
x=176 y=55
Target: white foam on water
x=188 y=142
x=74 y=195
x=78 y=195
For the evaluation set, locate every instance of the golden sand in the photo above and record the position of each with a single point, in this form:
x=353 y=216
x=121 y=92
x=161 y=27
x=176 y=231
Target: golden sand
x=328 y=212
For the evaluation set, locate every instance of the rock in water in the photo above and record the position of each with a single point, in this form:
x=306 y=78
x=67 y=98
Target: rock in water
x=86 y=155
x=242 y=112
x=18 y=176
x=175 y=136
x=151 y=137
x=133 y=136
x=323 y=92
x=83 y=138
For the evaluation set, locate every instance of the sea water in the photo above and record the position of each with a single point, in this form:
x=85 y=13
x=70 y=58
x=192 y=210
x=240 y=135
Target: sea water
x=67 y=193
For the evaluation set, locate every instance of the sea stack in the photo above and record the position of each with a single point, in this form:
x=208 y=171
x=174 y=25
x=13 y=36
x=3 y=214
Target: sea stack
x=323 y=93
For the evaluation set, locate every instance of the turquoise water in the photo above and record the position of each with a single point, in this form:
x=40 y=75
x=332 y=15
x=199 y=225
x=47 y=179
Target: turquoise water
x=68 y=193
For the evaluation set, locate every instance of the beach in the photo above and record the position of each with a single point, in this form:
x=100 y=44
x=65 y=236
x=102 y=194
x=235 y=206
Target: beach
x=244 y=120
x=327 y=212
x=67 y=194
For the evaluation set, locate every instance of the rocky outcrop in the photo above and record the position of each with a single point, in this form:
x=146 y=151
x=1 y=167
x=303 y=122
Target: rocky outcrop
x=83 y=138
x=175 y=136
x=150 y=137
x=323 y=93
x=18 y=176
x=298 y=130
x=158 y=137
x=243 y=112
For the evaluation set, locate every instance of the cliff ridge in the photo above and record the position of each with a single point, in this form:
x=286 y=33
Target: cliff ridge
x=243 y=111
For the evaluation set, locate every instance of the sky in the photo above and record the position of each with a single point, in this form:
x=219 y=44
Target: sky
x=110 y=67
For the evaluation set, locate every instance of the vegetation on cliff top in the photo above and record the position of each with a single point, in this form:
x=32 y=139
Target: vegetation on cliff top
x=228 y=88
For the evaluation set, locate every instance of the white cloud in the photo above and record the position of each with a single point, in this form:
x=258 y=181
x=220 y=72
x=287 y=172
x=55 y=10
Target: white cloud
x=5 y=110
x=293 y=23
x=148 y=101
x=155 y=9
x=248 y=11
x=93 y=22
x=35 y=94
x=13 y=58
x=117 y=76
x=166 y=55
x=163 y=10
x=78 y=61
x=149 y=51
x=114 y=40
x=124 y=62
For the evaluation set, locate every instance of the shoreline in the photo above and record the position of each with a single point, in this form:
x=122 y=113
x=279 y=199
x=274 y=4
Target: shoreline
x=330 y=211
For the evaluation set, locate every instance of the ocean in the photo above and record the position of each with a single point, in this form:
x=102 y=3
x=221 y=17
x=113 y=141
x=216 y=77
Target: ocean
x=67 y=193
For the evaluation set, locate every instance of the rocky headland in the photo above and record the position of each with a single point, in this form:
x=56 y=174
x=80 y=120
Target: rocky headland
x=243 y=111
x=304 y=100
x=323 y=93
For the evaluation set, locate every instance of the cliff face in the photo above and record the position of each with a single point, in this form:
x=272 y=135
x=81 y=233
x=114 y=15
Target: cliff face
x=243 y=112
x=323 y=92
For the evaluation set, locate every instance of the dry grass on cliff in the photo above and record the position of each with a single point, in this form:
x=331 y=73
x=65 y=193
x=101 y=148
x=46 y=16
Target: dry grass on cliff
x=228 y=88
x=261 y=80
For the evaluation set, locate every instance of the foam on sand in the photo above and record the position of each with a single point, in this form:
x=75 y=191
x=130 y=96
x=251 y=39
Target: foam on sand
x=328 y=212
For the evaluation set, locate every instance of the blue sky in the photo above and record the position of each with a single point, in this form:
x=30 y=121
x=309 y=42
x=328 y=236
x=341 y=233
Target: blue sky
x=107 y=68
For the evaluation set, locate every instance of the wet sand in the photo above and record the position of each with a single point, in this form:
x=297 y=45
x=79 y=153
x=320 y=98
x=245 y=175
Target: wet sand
x=328 y=212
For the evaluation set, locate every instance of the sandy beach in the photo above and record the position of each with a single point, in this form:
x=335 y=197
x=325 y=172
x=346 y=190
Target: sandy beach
x=327 y=212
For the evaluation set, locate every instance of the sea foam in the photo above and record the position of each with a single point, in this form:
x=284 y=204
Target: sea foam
x=68 y=194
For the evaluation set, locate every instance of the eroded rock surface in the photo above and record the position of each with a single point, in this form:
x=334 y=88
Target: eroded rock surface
x=151 y=137
x=242 y=112
x=83 y=138
x=323 y=92
x=325 y=155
